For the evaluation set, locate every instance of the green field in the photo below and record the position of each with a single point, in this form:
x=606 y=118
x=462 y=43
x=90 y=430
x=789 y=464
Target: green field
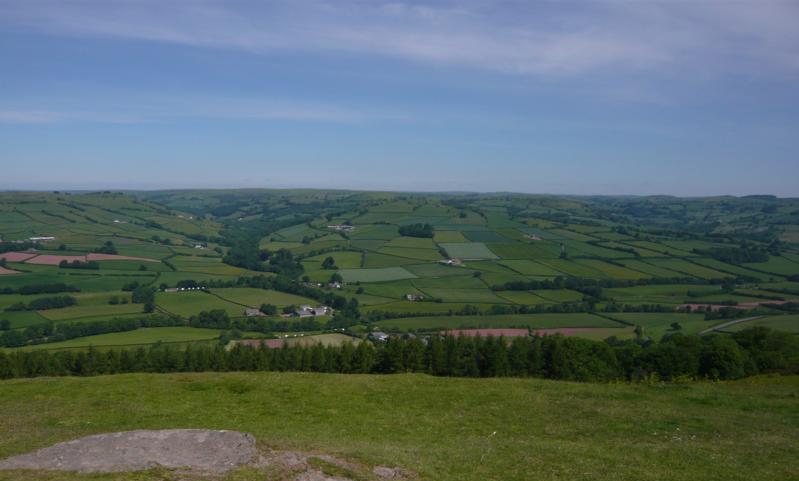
x=411 y=253
x=143 y=336
x=81 y=312
x=776 y=265
x=502 y=238
x=523 y=297
x=190 y=303
x=440 y=428
x=255 y=297
x=373 y=260
x=375 y=275
x=662 y=294
x=451 y=236
x=572 y=268
x=468 y=250
x=688 y=268
x=343 y=260
x=611 y=270
x=650 y=269
x=542 y=321
x=519 y=250
x=657 y=324
x=481 y=296
x=733 y=269
x=23 y=318
x=559 y=295
x=788 y=323
x=530 y=268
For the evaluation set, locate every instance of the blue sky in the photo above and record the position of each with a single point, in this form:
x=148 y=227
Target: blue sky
x=600 y=97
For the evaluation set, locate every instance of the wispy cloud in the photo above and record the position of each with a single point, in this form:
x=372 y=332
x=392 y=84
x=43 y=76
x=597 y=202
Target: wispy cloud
x=156 y=108
x=527 y=38
x=36 y=116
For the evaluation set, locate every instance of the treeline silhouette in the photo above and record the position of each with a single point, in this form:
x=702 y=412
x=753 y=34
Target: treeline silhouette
x=753 y=351
x=43 y=303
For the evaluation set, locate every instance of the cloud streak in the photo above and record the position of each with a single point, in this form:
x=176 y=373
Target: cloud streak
x=524 y=38
x=156 y=108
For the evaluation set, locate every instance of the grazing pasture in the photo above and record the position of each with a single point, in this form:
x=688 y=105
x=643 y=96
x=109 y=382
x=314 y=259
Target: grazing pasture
x=139 y=337
x=191 y=303
x=412 y=253
x=536 y=321
x=523 y=297
x=787 y=323
x=776 y=265
x=531 y=268
x=687 y=268
x=658 y=324
x=375 y=275
x=614 y=423
x=611 y=270
x=255 y=297
x=468 y=250
x=449 y=236
x=158 y=239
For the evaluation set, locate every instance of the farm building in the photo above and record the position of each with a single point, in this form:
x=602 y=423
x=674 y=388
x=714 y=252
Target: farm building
x=378 y=336
x=308 y=311
x=414 y=297
x=250 y=312
x=452 y=262
x=342 y=227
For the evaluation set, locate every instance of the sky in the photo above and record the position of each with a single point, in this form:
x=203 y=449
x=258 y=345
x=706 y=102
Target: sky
x=678 y=97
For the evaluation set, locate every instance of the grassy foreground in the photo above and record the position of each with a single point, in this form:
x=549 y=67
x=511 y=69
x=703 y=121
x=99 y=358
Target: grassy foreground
x=441 y=428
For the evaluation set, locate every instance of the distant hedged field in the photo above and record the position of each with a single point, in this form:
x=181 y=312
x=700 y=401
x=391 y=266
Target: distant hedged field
x=616 y=285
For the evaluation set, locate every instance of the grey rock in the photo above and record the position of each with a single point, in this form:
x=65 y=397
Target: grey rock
x=388 y=473
x=193 y=449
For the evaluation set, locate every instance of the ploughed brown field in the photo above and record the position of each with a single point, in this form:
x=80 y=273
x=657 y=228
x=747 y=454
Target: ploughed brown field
x=488 y=332
x=16 y=256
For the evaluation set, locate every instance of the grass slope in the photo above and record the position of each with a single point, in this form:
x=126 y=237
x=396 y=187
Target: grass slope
x=446 y=429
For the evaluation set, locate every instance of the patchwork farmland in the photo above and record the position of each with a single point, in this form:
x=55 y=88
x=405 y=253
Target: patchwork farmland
x=400 y=263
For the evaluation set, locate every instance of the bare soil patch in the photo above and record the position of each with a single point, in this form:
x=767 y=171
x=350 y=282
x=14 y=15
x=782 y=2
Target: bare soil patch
x=53 y=260
x=568 y=331
x=6 y=272
x=16 y=256
x=508 y=332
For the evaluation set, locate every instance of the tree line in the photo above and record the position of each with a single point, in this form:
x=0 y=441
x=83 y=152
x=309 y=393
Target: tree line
x=416 y=230
x=76 y=264
x=754 y=351
x=43 y=303
x=219 y=319
x=584 y=284
x=31 y=289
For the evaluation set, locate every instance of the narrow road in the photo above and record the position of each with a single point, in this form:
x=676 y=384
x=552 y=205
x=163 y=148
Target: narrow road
x=729 y=323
